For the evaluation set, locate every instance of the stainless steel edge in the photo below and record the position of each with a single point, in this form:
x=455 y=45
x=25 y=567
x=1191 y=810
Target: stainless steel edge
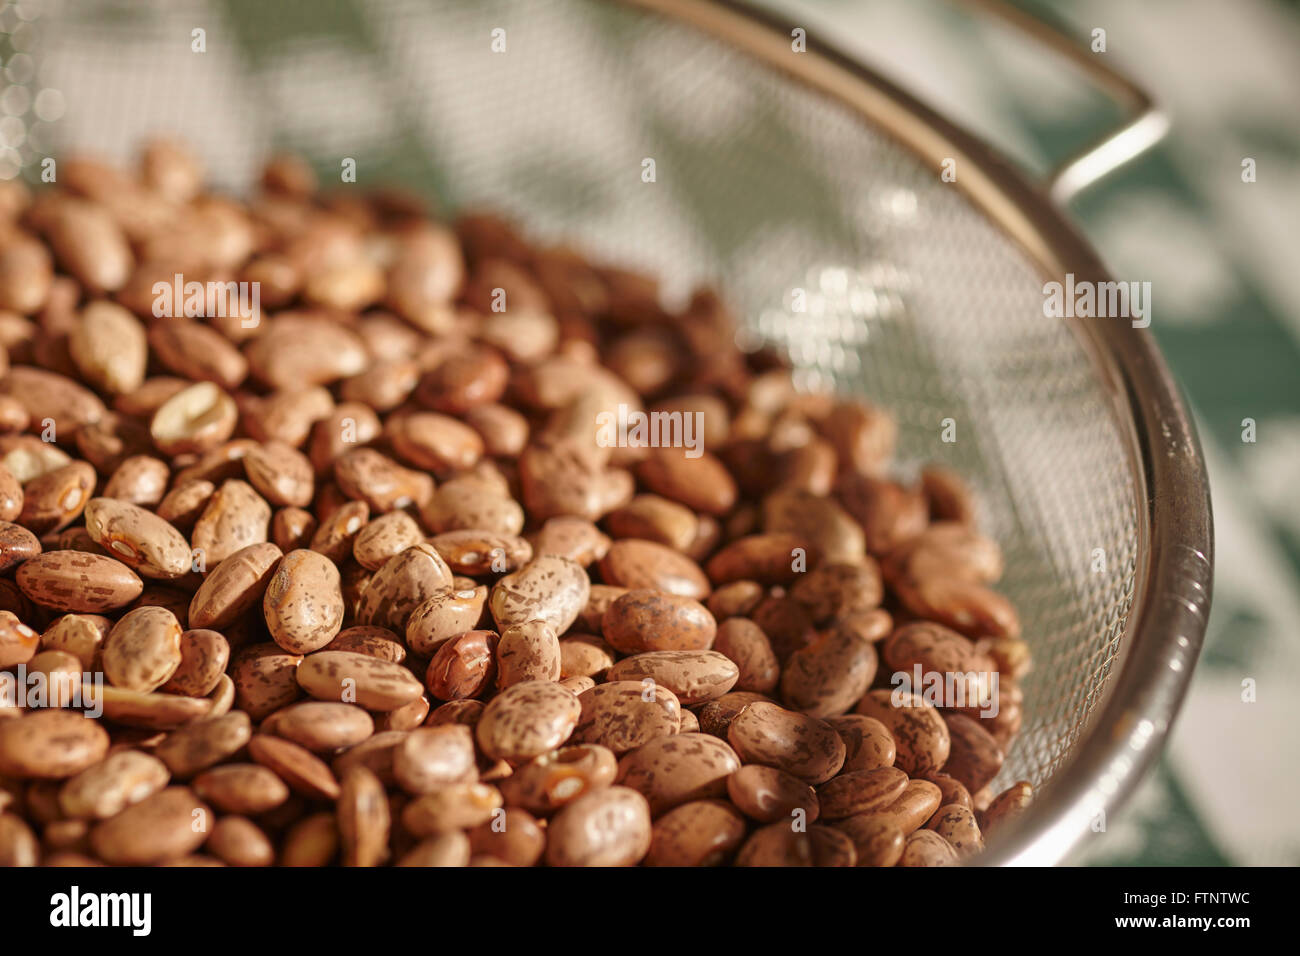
x=1166 y=626
x=1143 y=126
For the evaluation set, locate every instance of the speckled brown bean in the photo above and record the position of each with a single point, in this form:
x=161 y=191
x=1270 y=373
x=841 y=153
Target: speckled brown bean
x=777 y=845
x=830 y=675
x=11 y=495
x=143 y=649
x=765 y=558
x=380 y=482
x=475 y=552
x=281 y=473
x=204 y=656
x=949 y=496
x=833 y=591
x=700 y=833
x=450 y=849
x=234 y=586
x=336 y=535
x=744 y=642
x=466 y=712
x=546 y=783
x=601 y=597
x=357 y=678
x=446 y=614
x=463 y=666
x=653 y=518
x=878 y=842
x=18 y=642
x=374 y=641
x=81 y=635
x=645 y=620
x=107 y=788
x=321 y=726
x=567 y=476
x=957 y=825
x=769 y=795
x=673 y=770
x=405 y=582
x=861 y=791
x=700 y=483
x=18 y=844
x=47 y=394
x=241 y=788
x=164 y=826
x=735 y=600
x=193 y=748
x=693 y=676
x=504 y=431
x=548 y=588
x=375 y=752
x=633 y=563
x=236 y=516
x=469 y=502
x=526 y=720
x=974 y=756
x=473 y=376
x=184 y=504
x=303 y=602
x=1011 y=655
x=363 y=818
x=151 y=711
x=265 y=677
x=139 y=480
x=919 y=731
x=800 y=745
x=570 y=537
x=585 y=655
x=312 y=841
x=606 y=827
x=951 y=790
x=61 y=673
x=528 y=652
x=919 y=800
x=196 y=419
x=716 y=716
x=513 y=837
x=972 y=609
x=1007 y=805
x=927 y=848
x=938 y=650
x=298 y=767
x=890 y=513
x=407 y=717
x=457 y=806
x=238 y=841
x=384 y=538
x=623 y=715
x=432 y=757
x=138 y=538
x=868 y=744
x=293 y=528
x=78 y=581
x=433 y=442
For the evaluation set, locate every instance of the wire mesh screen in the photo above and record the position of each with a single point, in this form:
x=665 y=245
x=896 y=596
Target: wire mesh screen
x=829 y=239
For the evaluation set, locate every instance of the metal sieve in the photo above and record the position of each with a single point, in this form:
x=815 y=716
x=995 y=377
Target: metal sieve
x=689 y=138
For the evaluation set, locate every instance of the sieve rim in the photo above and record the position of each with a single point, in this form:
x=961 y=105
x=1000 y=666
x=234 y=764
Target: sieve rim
x=1165 y=628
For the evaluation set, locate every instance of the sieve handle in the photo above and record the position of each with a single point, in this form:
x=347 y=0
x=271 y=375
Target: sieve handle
x=1143 y=127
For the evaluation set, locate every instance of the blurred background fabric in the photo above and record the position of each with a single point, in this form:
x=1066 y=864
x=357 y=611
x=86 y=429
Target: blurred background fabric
x=1222 y=257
